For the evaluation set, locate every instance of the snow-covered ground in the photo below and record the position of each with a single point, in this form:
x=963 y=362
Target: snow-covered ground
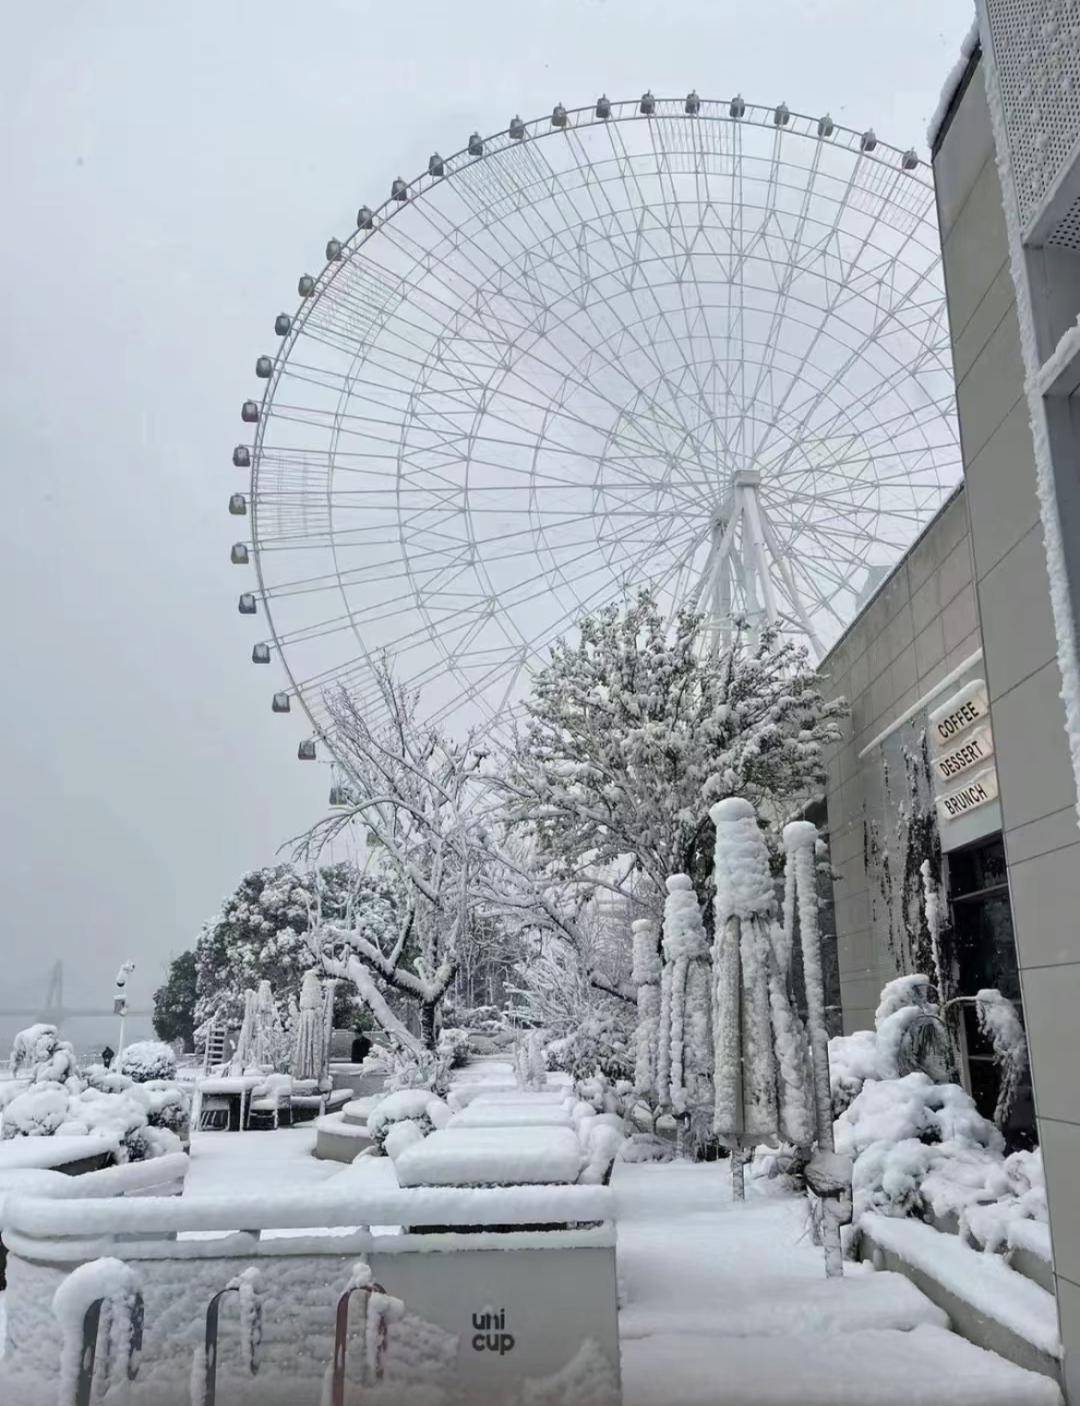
x=727 y=1305
x=721 y=1304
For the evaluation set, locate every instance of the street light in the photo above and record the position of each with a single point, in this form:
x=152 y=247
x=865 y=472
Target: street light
x=120 y=1000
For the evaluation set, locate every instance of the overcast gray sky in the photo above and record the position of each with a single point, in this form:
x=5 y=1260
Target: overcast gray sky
x=167 y=172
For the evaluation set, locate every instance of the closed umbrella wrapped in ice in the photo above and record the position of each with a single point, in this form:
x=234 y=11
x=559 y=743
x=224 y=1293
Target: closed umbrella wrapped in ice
x=687 y=992
x=309 y=1047
x=244 y=1052
x=761 y=1071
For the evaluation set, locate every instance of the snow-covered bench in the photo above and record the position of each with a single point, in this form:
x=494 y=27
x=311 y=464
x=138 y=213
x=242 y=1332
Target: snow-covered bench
x=498 y=1156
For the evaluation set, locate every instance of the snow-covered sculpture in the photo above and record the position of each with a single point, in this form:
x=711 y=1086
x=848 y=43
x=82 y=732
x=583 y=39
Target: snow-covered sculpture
x=688 y=987
x=645 y=974
x=760 y=1074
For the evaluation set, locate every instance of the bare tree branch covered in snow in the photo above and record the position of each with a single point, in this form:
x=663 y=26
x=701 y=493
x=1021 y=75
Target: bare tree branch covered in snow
x=411 y=790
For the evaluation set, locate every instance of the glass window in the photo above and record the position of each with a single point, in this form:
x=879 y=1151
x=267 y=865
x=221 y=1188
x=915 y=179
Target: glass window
x=983 y=954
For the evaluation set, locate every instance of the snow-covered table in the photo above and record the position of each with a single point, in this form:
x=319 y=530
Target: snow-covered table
x=501 y=1156
x=235 y=1089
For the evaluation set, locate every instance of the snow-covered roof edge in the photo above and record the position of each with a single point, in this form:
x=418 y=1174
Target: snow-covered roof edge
x=954 y=493
x=954 y=82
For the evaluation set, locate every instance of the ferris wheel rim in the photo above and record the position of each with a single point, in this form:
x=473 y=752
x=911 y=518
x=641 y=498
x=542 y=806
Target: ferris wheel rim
x=623 y=111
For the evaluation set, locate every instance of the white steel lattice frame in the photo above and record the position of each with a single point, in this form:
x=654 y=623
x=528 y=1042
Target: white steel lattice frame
x=697 y=352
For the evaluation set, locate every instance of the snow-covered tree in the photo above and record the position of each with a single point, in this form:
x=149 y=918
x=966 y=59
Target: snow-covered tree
x=174 y=1001
x=261 y=934
x=411 y=791
x=635 y=729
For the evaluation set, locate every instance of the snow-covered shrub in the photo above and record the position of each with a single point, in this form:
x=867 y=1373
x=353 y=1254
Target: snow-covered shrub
x=167 y=1105
x=38 y=1054
x=38 y=1112
x=597 y=1046
x=401 y=1135
x=418 y=1070
x=454 y=1045
x=905 y=1023
x=405 y=1105
x=606 y=1095
x=147 y=1059
x=646 y=1147
x=899 y=1131
x=105 y=1080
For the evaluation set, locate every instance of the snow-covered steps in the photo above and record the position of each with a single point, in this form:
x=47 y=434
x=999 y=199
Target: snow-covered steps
x=927 y=1366
x=989 y=1303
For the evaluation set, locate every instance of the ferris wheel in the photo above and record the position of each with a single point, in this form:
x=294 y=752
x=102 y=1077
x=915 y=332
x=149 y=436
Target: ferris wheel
x=691 y=345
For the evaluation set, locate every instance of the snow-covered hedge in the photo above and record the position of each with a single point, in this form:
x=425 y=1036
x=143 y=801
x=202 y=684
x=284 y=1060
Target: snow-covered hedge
x=417 y=1106
x=146 y=1060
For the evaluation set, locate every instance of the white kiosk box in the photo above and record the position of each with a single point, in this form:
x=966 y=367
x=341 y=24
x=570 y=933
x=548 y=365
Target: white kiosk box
x=488 y=1310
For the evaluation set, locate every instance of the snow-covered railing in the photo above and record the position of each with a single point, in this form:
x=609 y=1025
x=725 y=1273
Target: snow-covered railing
x=313 y=1209
x=128 y=1179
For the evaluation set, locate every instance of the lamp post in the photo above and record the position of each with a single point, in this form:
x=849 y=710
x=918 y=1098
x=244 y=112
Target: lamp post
x=120 y=1001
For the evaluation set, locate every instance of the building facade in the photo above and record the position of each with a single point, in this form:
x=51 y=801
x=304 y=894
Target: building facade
x=959 y=766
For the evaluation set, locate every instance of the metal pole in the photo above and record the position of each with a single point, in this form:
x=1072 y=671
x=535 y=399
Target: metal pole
x=369 y=1372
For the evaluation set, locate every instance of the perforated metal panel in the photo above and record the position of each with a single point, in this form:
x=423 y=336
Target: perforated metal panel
x=1036 y=45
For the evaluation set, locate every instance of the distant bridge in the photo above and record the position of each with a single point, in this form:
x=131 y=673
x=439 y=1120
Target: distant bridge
x=54 y=1012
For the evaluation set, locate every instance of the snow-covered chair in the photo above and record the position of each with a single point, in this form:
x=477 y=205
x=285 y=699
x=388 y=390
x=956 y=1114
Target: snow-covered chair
x=311 y=1099
x=214 y=1113
x=270 y=1103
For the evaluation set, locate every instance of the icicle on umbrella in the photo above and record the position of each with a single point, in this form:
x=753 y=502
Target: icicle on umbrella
x=828 y=1173
x=310 y=1043
x=686 y=987
x=760 y=1067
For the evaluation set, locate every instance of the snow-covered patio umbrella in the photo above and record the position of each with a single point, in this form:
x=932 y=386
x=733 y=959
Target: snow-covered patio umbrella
x=263 y=1053
x=309 y=1046
x=242 y=1055
x=685 y=1069
x=761 y=1073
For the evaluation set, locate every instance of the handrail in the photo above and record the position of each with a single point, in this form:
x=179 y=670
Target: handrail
x=447 y=1206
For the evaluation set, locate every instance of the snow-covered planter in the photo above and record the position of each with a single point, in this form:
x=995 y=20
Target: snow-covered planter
x=145 y=1060
x=420 y=1107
